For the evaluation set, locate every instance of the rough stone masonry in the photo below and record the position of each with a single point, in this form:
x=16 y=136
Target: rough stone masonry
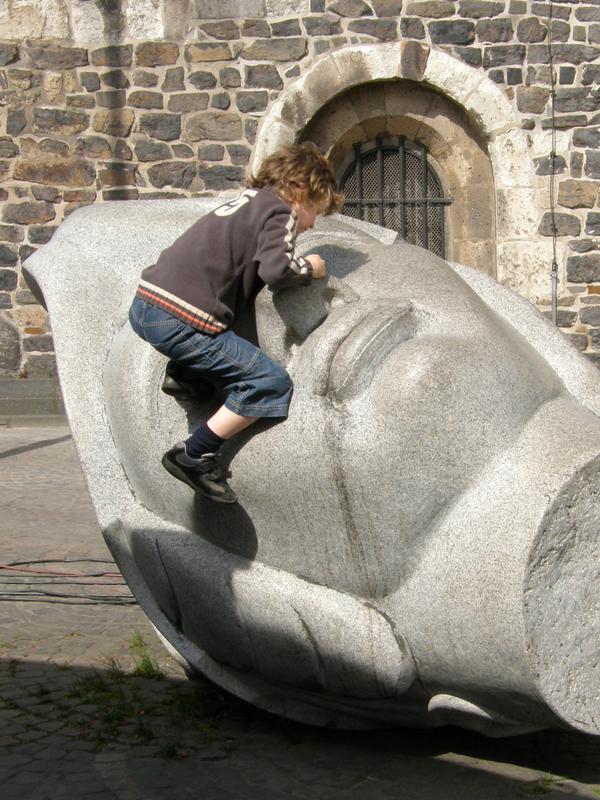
x=127 y=99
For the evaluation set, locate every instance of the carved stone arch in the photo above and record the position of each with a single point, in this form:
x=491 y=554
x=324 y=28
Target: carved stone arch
x=520 y=260
x=422 y=116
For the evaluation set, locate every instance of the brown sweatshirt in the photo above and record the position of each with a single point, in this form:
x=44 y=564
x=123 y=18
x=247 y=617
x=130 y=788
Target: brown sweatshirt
x=213 y=271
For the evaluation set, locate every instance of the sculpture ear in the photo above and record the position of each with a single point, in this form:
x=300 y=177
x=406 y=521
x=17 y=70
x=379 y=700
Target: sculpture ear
x=240 y=620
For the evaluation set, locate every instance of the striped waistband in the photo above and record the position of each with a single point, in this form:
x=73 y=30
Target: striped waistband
x=179 y=308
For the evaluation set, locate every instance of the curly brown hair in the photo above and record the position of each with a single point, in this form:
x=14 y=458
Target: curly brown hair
x=300 y=173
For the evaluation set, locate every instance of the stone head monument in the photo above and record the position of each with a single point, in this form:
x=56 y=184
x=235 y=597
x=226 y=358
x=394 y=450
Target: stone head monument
x=415 y=545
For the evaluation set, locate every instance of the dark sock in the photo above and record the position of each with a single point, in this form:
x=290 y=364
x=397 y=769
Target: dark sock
x=202 y=441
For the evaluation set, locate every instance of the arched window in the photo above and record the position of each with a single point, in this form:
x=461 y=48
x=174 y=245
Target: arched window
x=390 y=182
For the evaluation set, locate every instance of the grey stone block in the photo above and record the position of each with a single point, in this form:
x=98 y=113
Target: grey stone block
x=415 y=545
x=29 y=397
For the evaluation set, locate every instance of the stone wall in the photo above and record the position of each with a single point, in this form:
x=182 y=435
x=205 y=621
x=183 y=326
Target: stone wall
x=121 y=99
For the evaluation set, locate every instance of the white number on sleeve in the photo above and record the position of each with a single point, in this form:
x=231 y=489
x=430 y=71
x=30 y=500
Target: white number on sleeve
x=234 y=205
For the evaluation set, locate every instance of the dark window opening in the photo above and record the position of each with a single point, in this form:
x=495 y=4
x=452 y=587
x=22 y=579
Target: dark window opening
x=391 y=183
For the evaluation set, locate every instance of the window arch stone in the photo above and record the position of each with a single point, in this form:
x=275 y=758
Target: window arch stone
x=521 y=257
x=423 y=116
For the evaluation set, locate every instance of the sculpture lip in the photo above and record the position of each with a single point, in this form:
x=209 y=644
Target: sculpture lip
x=354 y=341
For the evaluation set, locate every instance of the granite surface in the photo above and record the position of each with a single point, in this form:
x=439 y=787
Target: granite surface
x=414 y=545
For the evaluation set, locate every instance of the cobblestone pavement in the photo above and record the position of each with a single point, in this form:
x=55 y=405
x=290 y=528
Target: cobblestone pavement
x=91 y=706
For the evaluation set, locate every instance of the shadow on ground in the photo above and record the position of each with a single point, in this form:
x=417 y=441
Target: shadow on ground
x=79 y=732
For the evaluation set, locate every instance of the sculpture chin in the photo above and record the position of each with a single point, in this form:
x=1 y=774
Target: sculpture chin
x=413 y=546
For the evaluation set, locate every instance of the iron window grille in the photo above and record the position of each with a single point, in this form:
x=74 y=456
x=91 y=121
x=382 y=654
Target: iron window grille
x=391 y=183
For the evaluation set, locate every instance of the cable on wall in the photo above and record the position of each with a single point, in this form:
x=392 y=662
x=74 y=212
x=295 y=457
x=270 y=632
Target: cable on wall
x=554 y=270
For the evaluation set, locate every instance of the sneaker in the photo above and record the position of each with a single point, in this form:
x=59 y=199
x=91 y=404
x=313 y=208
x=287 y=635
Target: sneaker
x=184 y=385
x=203 y=474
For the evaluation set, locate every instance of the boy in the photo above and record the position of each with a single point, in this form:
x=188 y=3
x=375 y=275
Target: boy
x=186 y=303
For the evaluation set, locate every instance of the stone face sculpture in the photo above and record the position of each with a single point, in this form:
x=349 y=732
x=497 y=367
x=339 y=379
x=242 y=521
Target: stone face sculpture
x=415 y=545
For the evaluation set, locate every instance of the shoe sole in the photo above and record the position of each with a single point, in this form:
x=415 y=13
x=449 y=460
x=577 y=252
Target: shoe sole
x=174 y=470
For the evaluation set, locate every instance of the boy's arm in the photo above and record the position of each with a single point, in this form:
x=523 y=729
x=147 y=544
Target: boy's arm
x=278 y=264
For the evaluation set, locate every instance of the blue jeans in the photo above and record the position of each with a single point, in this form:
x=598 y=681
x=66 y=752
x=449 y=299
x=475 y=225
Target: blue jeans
x=256 y=386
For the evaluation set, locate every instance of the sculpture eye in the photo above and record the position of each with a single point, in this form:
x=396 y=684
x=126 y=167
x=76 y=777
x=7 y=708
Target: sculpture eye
x=367 y=344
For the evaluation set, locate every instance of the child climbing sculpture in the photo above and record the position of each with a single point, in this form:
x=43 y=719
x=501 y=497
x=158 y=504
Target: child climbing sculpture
x=186 y=303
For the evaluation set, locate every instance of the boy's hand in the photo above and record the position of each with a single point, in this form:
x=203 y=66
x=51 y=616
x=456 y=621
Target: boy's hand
x=318 y=265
